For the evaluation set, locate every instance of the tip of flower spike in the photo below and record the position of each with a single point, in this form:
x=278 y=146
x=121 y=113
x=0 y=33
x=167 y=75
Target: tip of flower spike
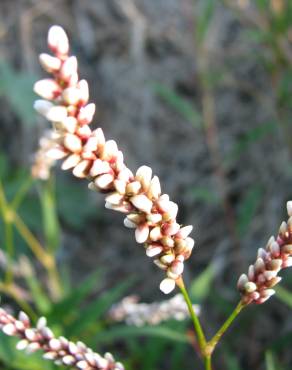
x=289 y=208
x=167 y=285
x=57 y=40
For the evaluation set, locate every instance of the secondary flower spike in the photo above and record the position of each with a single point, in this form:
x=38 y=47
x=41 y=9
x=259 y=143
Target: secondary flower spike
x=256 y=286
x=89 y=155
x=60 y=350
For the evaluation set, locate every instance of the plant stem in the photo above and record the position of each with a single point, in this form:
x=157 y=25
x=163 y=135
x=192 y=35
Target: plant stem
x=8 y=231
x=197 y=325
x=210 y=346
x=10 y=290
x=208 y=362
x=21 y=193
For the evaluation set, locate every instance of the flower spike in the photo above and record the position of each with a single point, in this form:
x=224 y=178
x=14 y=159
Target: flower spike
x=88 y=154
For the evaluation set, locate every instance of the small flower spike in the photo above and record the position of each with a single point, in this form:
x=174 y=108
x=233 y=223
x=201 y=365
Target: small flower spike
x=256 y=286
x=138 y=314
x=89 y=155
x=60 y=350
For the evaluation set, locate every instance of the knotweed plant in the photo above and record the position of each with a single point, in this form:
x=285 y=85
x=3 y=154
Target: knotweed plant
x=147 y=210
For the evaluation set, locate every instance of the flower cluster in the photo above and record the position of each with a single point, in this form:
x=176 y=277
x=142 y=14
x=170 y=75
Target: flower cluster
x=263 y=274
x=42 y=162
x=59 y=350
x=150 y=212
x=138 y=314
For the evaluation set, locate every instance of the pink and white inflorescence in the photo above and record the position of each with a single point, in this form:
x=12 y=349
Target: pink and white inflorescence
x=150 y=212
x=256 y=286
x=60 y=350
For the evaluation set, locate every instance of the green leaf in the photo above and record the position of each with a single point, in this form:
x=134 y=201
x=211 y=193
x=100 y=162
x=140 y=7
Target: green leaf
x=205 y=195
x=204 y=19
x=97 y=308
x=284 y=295
x=74 y=202
x=231 y=361
x=201 y=285
x=71 y=301
x=271 y=361
x=123 y=332
x=17 y=87
x=247 y=209
x=251 y=137
x=3 y=166
x=50 y=218
x=179 y=104
x=40 y=299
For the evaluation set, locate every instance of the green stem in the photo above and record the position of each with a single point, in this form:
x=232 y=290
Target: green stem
x=8 y=232
x=197 y=325
x=11 y=291
x=21 y=193
x=210 y=346
x=208 y=362
x=9 y=242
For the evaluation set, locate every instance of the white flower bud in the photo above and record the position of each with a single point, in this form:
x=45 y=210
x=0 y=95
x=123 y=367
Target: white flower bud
x=9 y=329
x=110 y=150
x=73 y=143
x=155 y=233
x=47 y=88
x=57 y=113
x=184 y=232
x=86 y=114
x=141 y=233
x=153 y=250
x=155 y=188
x=69 y=68
x=71 y=161
x=82 y=85
x=144 y=174
x=114 y=198
x=58 y=40
x=99 y=167
x=167 y=285
x=142 y=203
x=81 y=170
x=42 y=106
x=49 y=63
x=22 y=344
x=71 y=95
x=104 y=181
